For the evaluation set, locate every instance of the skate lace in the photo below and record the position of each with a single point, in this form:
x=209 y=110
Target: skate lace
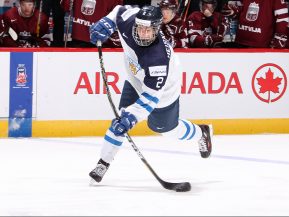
x=203 y=144
x=100 y=169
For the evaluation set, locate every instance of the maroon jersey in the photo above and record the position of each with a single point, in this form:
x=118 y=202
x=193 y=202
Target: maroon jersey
x=26 y=28
x=204 y=31
x=176 y=32
x=260 y=21
x=87 y=12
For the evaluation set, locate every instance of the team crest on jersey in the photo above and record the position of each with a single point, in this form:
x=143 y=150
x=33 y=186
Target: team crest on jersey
x=88 y=7
x=133 y=66
x=253 y=12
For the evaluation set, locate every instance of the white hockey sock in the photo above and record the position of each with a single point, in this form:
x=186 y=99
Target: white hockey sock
x=185 y=131
x=111 y=145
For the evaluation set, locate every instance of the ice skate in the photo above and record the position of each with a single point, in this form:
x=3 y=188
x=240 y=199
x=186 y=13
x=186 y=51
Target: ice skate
x=205 y=144
x=98 y=173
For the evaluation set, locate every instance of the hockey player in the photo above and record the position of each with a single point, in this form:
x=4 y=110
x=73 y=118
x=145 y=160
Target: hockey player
x=174 y=29
x=85 y=13
x=25 y=21
x=206 y=28
x=262 y=23
x=153 y=85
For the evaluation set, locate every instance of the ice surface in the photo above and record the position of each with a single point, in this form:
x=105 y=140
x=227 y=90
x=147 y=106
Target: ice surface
x=245 y=175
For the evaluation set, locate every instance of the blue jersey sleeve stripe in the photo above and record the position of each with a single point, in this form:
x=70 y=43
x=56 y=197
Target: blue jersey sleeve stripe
x=112 y=141
x=188 y=130
x=145 y=106
x=150 y=97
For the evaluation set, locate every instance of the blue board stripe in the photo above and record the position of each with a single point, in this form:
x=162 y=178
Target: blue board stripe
x=20 y=104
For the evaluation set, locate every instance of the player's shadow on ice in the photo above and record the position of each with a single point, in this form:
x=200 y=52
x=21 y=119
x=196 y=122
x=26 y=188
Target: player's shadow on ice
x=197 y=187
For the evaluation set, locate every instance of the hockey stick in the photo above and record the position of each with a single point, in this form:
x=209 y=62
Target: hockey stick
x=39 y=19
x=68 y=22
x=186 y=13
x=13 y=34
x=179 y=187
x=8 y=31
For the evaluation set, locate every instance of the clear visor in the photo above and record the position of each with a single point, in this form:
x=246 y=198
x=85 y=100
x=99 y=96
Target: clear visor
x=144 y=33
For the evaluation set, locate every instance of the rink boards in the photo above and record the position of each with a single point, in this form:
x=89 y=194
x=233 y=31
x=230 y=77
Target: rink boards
x=59 y=92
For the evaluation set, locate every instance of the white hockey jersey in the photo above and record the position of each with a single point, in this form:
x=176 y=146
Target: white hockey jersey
x=153 y=70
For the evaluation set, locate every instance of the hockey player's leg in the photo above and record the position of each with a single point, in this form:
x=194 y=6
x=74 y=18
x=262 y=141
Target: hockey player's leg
x=110 y=148
x=98 y=172
x=166 y=121
x=111 y=142
x=189 y=131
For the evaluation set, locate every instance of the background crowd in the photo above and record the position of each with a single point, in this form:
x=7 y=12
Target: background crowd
x=186 y=23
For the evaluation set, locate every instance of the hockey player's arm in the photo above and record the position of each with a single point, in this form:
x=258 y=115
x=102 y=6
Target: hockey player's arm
x=141 y=109
x=135 y=113
x=279 y=39
x=145 y=104
x=232 y=9
x=153 y=87
x=103 y=29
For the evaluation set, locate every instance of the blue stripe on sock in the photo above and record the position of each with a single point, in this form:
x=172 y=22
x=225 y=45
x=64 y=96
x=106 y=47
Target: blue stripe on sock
x=112 y=141
x=188 y=130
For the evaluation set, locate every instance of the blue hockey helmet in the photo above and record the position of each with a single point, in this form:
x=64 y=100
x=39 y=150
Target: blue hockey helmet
x=149 y=18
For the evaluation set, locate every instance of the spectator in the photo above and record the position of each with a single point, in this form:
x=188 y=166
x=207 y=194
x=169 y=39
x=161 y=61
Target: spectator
x=53 y=8
x=188 y=7
x=174 y=29
x=262 y=23
x=85 y=13
x=206 y=27
x=29 y=24
x=230 y=10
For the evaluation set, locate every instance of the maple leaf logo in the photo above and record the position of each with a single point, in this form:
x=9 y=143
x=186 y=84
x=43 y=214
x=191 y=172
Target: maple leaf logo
x=269 y=83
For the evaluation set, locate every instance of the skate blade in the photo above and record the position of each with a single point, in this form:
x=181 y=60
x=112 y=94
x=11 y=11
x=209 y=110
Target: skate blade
x=92 y=182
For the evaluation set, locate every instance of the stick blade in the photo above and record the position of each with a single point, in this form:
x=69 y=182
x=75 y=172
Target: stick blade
x=13 y=34
x=178 y=187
